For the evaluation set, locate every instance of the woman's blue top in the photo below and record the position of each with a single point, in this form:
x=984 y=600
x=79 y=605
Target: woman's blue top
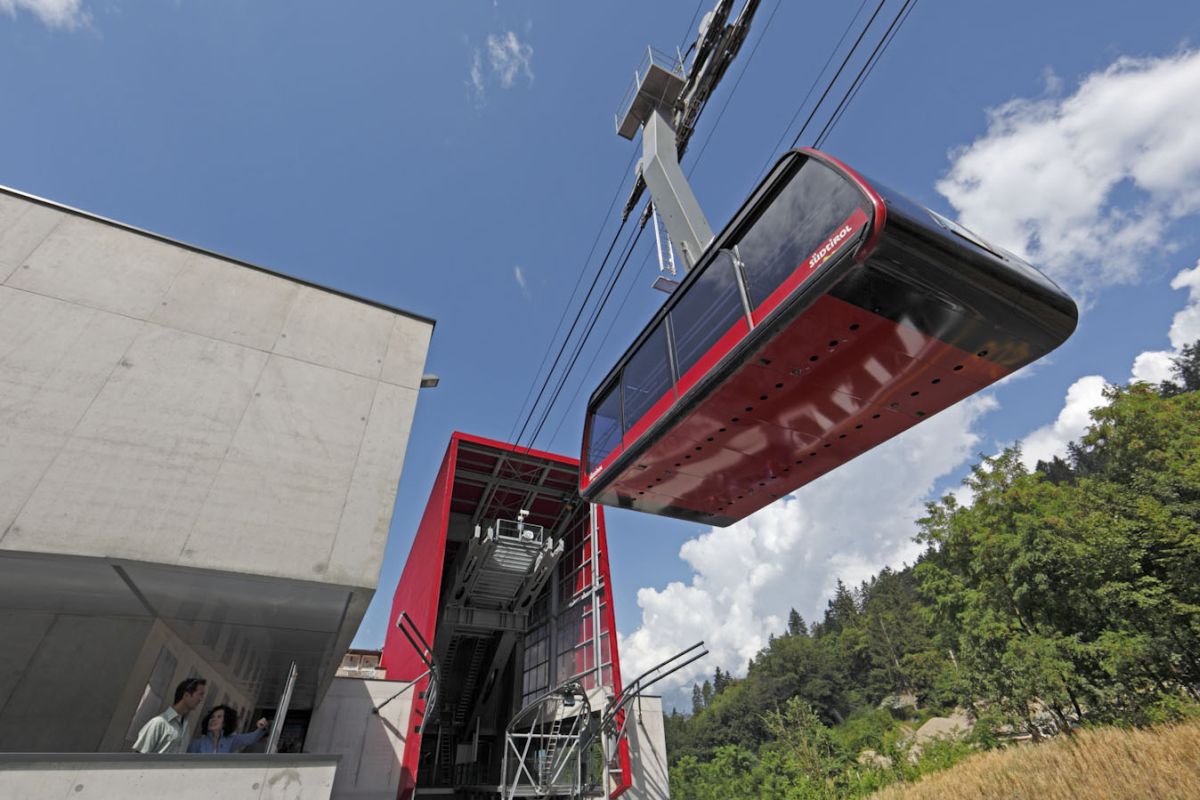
x=226 y=744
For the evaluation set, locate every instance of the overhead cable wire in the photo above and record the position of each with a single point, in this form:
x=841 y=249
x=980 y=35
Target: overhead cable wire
x=583 y=339
x=567 y=338
x=847 y=98
x=600 y=308
x=549 y=375
x=708 y=138
x=691 y=28
x=833 y=80
x=864 y=73
x=812 y=88
x=571 y=299
x=596 y=354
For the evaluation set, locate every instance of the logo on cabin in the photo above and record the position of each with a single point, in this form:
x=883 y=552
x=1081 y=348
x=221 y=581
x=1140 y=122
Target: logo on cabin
x=592 y=475
x=830 y=245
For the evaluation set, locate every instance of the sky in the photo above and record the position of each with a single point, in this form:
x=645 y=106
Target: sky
x=458 y=160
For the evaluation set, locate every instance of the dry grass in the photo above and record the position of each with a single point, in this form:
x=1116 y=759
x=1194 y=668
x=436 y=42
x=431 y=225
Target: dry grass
x=1106 y=764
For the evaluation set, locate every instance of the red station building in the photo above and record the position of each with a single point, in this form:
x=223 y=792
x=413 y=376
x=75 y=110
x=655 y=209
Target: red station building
x=505 y=601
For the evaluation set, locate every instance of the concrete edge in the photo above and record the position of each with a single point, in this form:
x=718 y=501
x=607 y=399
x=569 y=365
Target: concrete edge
x=10 y=760
x=211 y=253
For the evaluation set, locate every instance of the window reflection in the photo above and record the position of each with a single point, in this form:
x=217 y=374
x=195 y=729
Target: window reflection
x=797 y=221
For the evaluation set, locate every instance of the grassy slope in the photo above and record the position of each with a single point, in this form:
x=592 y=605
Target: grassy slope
x=1104 y=763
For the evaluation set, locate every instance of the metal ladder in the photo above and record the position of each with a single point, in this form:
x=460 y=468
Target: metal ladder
x=444 y=759
x=546 y=768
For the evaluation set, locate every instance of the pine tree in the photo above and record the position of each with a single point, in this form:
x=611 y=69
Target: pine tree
x=720 y=681
x=841 y=611
x=697 y=700
x=1186 y=367
x=796 y=624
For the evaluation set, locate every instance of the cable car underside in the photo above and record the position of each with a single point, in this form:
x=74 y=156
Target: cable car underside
x=903 y=315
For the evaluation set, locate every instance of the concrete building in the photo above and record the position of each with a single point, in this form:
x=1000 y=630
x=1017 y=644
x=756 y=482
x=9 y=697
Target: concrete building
x=198 y=467
x=198 y=464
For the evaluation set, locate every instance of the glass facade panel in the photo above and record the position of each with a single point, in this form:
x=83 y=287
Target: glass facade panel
x=797 y=221
x=647 y=376
x=535 y=666
x=561 y=644
x=706 y=311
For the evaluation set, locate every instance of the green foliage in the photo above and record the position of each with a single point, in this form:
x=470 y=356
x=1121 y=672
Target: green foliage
x=1066 y=594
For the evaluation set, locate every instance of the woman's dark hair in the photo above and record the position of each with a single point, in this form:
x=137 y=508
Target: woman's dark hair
x=188 y=686
x=230 y=721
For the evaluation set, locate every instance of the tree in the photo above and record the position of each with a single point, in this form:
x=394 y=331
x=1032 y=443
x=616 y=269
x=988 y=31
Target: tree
x=1186 y=367
x=841 y=611
x=720 y=681
x=1082 y=593
x=1056 y=470
x=796 y=624
x=697 y=700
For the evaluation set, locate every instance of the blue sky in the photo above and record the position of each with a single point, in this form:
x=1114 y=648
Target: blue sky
x=458 y=159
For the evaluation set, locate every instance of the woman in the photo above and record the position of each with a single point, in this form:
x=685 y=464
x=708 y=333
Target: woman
x=219 y=737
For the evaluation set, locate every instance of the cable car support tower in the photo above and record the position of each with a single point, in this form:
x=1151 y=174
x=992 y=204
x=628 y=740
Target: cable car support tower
x=665 y=101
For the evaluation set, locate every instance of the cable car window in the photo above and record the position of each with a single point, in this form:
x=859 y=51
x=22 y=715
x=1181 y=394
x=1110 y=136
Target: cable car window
x=604 y=427
x=647 y=376
x=815 y=201
x=708 y=308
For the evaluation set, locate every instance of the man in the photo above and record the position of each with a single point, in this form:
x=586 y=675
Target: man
x=168 y=732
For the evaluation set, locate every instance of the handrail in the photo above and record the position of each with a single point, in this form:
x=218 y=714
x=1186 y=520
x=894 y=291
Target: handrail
x=620 y=702
x=424 y=652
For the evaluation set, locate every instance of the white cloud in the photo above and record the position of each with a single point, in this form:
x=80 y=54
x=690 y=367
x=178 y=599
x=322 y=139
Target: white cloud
x=1185 y=327
x=848 y=524
x=1085 y=394
x=52 y=13
x=520 y=278
x=508 y=58
x=1052 y=179
x=1051 y=440
x=1152 y=367
x=1156 y=366
x=477 y=72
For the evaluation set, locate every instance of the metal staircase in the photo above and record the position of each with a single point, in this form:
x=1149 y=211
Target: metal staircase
x=470 y=681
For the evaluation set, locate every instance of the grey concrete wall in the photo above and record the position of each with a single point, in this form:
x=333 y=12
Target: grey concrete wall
x=209 y=777
x=62 y=677
x=371 y=745
x=648 y=751
x=164 y=405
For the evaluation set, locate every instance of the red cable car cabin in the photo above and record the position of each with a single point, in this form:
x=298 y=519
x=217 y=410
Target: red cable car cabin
x=828 y=316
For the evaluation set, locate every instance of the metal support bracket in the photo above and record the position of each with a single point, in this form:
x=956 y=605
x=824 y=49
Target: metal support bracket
x=672 y=196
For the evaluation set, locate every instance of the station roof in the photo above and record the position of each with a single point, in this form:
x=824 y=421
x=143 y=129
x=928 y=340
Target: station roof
x=494 y=480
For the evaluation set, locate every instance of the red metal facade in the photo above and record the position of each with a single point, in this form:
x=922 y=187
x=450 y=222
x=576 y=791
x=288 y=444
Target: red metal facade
x=421 y=583
x=417 y=596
